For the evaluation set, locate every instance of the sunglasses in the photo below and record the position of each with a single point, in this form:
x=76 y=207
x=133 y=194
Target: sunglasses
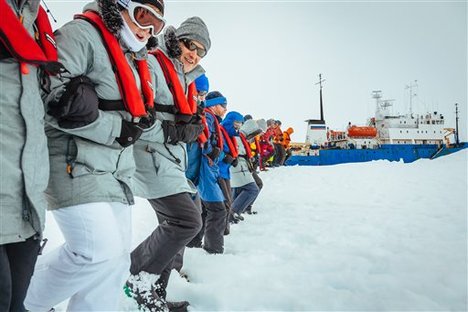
x=202 y=93
x=237 y=125
x=201 y=52
x=146 y=17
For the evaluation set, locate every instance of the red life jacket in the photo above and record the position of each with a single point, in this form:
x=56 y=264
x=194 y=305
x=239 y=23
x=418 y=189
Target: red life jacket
x=128 y=88
x=217 y=128
x=258 y=148
x=231 y=142
x=19 y=43
x=184 y=104
x=248 y=151
x=203 y=137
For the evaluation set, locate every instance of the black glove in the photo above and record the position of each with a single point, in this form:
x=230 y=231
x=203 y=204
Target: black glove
x=78 y=105
x=129 y=134
x=228 y=159
x=174 y=133
x=171 y=135
x=214 y=154
x=189 y=133
x=149 y=120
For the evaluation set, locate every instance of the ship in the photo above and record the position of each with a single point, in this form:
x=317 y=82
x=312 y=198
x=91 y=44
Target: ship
x=386 y=136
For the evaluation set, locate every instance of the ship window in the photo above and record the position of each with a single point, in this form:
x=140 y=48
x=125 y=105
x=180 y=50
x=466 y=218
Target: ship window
x=417 y=131
x=406 y=131
x=401 y=131
x=434 y=131
x=405 y=121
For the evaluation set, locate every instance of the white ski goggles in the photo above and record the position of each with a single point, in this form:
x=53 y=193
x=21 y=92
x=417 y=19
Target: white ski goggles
x=146 y=17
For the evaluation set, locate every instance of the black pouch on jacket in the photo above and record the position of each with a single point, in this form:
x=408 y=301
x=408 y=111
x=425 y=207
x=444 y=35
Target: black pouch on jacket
x=214 y=154
x=78 y=105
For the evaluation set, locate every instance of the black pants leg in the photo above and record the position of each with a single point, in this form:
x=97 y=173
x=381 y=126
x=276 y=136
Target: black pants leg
x=214 y=227
x=17 y=262
x=197 y=241
x=182 y=221
x=225 y=186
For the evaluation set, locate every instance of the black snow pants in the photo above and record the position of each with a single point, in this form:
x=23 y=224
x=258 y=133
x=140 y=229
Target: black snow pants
x=225 y=186
x=215 y=223
x=17 y=262
x=179 y=221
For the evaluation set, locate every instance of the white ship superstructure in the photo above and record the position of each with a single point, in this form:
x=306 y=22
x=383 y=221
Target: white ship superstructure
x=406 y=129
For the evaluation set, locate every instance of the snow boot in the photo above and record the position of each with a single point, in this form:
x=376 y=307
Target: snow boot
x=238 y=216
x=250 y=211
x=178 y=306
x=194 y=244
x=146 y=297
x=184 y=276
x=173 y=306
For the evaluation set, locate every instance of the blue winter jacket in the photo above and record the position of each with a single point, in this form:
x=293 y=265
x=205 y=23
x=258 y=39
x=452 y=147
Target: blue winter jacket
x=208 y=186
x=228 y=124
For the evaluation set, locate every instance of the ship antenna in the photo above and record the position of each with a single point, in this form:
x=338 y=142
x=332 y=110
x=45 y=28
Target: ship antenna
x=457 y=139
x=410 y=87
x=321 y=99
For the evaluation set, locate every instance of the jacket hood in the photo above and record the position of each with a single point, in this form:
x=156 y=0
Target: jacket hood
x=290 y=131
x=110 y=13
x=250 y=129
x=228 y=122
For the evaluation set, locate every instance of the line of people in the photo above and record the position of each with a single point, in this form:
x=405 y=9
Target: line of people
x=105 y=109
x=275 y=145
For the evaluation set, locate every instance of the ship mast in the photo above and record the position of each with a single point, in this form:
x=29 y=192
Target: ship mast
x=410 y=87
x=321 y=99
x=457 y=139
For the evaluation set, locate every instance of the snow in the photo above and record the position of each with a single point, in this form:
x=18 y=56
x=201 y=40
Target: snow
x=369 y=236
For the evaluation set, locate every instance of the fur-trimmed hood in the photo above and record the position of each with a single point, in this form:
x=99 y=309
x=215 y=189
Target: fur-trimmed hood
x=110 y=13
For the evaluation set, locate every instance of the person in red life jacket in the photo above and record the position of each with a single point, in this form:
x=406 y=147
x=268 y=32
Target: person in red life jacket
x=95 y=113
x=27 y=54
x=266 y=144
x=253 y=129
x=229 y=157
x=286 y=143
x=210 y=192
x=280 y=152
x=194 y=148
x=245 y=189
x=194 y=153
x=161 y=157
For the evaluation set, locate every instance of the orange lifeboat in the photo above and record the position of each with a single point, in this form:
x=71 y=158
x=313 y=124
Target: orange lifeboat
x=362 y=132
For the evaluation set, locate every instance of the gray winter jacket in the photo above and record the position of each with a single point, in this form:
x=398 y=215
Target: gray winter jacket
x=240 y=174
x=24 y=163
x=160 y=167
x=101 y=170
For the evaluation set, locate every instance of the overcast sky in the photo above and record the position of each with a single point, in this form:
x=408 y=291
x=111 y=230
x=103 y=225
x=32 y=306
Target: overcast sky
x=266 y=56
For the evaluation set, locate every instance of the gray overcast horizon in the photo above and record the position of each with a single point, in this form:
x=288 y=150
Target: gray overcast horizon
x=266 y=56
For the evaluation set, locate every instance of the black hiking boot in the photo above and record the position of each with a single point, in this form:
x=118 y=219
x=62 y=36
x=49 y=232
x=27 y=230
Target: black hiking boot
x=238 y=216
x=146 y=298
x=178 y=306
x=194 y=244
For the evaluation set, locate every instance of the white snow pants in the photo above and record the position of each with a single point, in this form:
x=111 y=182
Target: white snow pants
x=91 y=267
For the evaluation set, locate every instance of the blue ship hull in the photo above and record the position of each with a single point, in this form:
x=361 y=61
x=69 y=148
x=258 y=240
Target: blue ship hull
x=393 y=152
